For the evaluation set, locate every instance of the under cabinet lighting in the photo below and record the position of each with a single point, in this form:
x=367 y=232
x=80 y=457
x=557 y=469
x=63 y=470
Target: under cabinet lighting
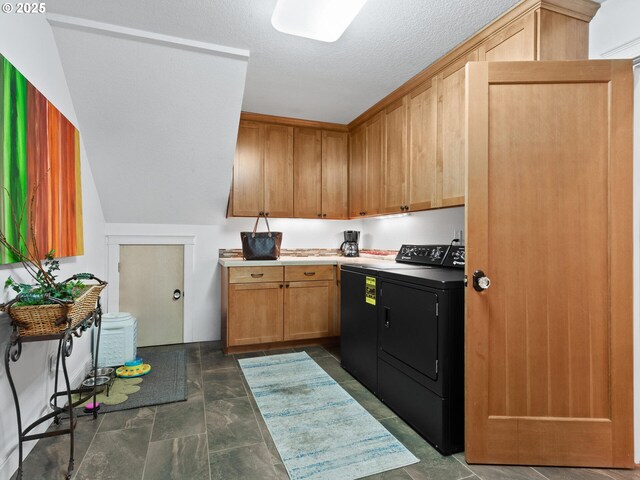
x=394 y=215
x=324 y=20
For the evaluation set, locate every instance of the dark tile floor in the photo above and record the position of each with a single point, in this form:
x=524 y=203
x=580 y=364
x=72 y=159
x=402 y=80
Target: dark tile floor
x=219 y=434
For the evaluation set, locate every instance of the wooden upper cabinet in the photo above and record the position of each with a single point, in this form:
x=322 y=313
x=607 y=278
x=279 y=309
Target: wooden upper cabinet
x=395 y=170
x=357 y=171
x=563 y=37
x=335 y=171
x=451 y=136
x=423 y=132
x=407 y=151
x=278 y=171
x=307 y=173
x=517 y=42
x=248 y=170
x=374 y=151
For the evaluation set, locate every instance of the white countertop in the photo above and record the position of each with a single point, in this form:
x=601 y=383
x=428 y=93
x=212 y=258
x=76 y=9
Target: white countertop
x=328 y=260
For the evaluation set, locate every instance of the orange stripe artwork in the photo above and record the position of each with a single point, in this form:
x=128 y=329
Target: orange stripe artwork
x=53 y=134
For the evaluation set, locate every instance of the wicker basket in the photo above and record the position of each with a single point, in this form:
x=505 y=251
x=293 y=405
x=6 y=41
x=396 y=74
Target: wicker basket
x=33 y=320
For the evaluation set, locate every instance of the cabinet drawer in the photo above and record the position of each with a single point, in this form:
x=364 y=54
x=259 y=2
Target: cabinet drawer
x=300 y=273
x=255 y=274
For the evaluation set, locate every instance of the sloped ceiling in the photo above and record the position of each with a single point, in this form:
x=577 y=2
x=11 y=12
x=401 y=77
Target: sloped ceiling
x=159 y=123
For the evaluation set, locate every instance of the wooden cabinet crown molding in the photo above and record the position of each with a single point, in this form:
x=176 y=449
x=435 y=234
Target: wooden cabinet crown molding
x=583 y=10
x=292 y=122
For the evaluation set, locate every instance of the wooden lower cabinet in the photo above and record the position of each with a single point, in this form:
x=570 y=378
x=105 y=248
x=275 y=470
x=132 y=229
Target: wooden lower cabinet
x=272 y=307
x=309 y=310
x=255 y=313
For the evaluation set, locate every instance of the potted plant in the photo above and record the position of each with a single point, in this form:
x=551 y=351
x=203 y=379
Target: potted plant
x=48 y=306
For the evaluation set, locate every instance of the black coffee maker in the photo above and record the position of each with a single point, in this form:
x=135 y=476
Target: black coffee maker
x=350 y=245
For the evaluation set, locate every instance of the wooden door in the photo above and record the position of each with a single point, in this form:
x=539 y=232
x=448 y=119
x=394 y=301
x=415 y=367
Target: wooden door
x=255 y=313
x=517 y=42
x=248 y=171
x=335 y=172
x=357 y=172
x=149 y=276
x=451 y=135
x=423 y=132
x=374 y=150
x=307 y=173
x=278 y=171
x=549 y=221
x=394 y=179
x=309 y=309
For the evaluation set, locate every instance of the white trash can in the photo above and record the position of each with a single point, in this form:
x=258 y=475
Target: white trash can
x=118 y=339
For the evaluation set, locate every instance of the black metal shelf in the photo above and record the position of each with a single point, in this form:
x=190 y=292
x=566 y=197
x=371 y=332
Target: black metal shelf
x=65 y=348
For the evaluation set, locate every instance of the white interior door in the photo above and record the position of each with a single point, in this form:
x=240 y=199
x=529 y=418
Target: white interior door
x=151 y=286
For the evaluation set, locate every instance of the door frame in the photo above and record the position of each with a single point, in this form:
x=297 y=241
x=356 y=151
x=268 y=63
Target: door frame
x=113 y=275
x=631 y=49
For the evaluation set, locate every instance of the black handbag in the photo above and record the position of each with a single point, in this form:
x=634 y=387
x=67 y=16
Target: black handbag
x=261 y=245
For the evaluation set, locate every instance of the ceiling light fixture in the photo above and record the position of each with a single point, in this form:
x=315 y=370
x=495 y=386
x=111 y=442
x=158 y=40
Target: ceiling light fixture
x=324 y=20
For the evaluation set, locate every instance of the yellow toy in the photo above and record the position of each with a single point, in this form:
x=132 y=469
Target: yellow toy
x=132 y=369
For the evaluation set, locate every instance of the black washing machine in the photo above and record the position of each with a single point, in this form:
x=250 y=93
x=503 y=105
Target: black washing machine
x=402 y=336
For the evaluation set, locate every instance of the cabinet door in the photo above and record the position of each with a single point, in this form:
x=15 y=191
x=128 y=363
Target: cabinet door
x=374 y=150
x=307 y=173
x=423 y=132
x=309 y=310
x=517 y=42
x=248 y=173
x=255 y=313
x=395 y=158
x=278 y=171
x=357 y=171
x=452 y=133
x=335 y=170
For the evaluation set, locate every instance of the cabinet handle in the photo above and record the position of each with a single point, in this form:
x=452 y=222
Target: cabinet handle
x=260 y=214
x=281 y=285
x=257 y=275
x=319 y=215
x=266 y=214
x=309 y=274
x=286 y=285
x=324 y=214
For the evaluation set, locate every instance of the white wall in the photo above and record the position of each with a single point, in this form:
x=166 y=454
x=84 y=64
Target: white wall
x=389 y=233
x=27 y=42
x=615 y=33
x=430 y=227
x=210 y=238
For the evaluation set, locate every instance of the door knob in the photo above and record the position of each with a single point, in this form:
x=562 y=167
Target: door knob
x=177 y=294
x=480 y=281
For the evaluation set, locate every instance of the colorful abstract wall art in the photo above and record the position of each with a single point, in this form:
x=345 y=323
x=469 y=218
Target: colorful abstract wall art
x=40 y=189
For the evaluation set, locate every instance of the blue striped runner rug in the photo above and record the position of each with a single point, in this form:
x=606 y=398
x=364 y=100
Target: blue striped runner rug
x=320 y=432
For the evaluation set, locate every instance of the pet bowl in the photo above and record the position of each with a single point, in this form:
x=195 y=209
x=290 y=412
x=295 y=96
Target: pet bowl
x=99 y=381
x=102 y=372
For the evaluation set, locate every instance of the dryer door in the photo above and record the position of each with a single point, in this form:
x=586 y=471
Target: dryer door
x=408 y=327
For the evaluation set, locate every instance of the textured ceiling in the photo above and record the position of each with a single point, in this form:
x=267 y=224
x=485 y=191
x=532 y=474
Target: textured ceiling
x=388 y=43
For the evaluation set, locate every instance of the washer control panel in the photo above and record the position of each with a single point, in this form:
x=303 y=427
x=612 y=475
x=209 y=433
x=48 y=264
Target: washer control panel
x=436 y=255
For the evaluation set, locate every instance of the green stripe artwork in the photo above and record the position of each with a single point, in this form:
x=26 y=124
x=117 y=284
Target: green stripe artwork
x=14 y=161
